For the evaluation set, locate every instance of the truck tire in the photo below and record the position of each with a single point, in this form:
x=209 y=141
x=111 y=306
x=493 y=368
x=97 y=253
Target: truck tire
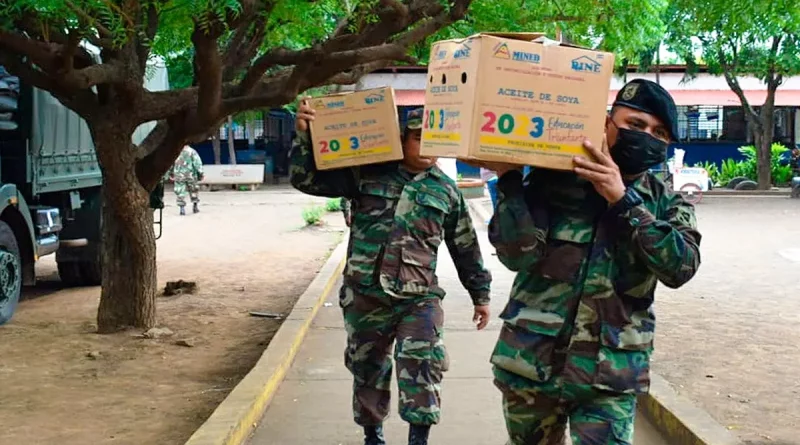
x=70 y=273
x=735 y=181
x=10 y=272
x=746 y=185
x=80 y=273
x=91 y=272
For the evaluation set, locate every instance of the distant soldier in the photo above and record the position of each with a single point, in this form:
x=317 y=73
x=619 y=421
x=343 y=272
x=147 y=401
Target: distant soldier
x=186 y=173
x=401 y=213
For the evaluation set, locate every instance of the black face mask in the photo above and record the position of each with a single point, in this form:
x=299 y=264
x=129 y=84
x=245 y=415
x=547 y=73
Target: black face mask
x=636 y=151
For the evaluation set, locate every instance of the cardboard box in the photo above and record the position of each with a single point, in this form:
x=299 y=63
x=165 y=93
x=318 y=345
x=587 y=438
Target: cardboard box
x=517 y=98
x=356 y=128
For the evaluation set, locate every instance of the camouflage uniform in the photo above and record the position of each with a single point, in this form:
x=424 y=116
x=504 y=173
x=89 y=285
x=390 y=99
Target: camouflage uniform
x=186 y=172
x=391 y=293
x=578 y=329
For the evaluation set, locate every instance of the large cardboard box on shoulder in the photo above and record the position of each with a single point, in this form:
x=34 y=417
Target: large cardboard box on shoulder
x=355 y=128
x=516 y=97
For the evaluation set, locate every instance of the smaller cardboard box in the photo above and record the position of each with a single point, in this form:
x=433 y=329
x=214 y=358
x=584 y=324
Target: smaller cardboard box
x=514 y=97
x=356 y=128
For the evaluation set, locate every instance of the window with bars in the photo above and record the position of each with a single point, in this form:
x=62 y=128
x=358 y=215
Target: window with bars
x=240 y=130
x=701 y=123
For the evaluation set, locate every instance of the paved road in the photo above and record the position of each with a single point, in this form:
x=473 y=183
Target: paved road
x=312 y=405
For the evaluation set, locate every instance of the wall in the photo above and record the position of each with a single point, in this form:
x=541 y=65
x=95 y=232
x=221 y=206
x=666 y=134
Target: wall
x=703 y=81
x=670 y=81
x=716 y=152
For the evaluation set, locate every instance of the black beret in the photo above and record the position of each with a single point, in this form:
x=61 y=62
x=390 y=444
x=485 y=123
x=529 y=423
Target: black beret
x=652 y=98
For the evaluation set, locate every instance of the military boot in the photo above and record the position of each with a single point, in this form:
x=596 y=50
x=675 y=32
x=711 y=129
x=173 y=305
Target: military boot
x=195 y=209
x=418 y=434
x=183 y=211
x=373 y=435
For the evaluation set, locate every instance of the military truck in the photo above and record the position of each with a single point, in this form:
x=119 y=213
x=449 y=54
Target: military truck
x=50 y=188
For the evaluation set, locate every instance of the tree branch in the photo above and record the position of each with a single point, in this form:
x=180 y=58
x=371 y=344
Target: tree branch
x=244 y=45
x=86 y=78
x=68 y=51
x=102 y=30
x=772 y=82
x=733 y=83
x=82 y=102
x=162 y=145
x=354 y=75
x=209 y=77
x=150 y=28
x=159 y=105
x=275 y=57
x=44 y=55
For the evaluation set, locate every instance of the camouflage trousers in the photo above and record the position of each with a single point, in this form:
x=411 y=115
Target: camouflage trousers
x=538 y=413
x=183 y=188
x=375 y=322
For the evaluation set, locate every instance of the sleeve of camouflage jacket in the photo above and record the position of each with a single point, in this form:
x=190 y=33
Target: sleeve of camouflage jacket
x=670 y=246
x=198 y=164
x=306 y=178
x=462 y=242
x=520 y=239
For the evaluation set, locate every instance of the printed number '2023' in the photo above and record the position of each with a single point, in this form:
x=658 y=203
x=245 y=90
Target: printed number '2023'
x=430 y=119
x=334 y=145
x=506 y=124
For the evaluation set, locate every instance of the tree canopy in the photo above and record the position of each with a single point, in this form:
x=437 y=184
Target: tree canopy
x=229 y=56
x=739 y=38
x=245 y=54
x=612 y=26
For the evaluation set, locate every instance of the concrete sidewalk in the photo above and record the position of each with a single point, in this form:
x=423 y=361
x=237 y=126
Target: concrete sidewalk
x=312 y=405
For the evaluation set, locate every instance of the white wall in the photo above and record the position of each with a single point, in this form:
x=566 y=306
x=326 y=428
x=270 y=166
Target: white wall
x=670 y=81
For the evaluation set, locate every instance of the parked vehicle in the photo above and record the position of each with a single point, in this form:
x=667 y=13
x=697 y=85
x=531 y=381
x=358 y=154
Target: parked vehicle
x=50 y=189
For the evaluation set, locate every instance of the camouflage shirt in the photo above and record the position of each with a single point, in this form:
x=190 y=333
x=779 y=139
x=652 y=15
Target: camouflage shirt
x=188 y=167
x=399 y=222
x=581 y=306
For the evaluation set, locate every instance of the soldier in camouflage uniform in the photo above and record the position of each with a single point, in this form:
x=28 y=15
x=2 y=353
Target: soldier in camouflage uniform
x=186 y=173
x=401 y=213
x=589 y=247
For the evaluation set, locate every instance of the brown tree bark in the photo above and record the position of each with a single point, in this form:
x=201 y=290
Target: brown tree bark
x=764 y=147
x=128 y=250
x=230 y=78
x=216 y=147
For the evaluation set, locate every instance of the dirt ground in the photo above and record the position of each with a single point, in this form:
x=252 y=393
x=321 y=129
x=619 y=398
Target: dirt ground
x=60 y=383
x=729 y=339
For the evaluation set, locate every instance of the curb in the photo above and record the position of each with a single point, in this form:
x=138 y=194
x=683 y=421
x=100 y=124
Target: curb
x=678 y=420
x=235 y=418
x=675 y=417
x=747 y=193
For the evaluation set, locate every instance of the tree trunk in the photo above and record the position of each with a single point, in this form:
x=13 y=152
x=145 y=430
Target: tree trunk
x=658 y=64
x=764 y=147
x=215 y=145
x=231 y=149
x=129 y=280
x=251 y=133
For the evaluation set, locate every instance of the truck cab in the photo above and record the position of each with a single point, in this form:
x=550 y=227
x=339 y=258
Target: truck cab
x=50 y=189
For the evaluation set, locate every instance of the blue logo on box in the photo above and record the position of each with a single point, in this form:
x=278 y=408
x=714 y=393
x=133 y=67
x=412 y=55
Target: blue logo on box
x=586 y=64
x=522 y=56
x=463 y=52
x=374 y=98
